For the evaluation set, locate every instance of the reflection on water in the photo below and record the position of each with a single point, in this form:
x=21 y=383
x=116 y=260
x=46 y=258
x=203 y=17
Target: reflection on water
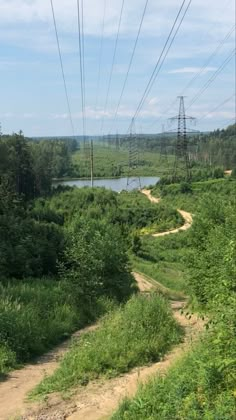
x=113 y=184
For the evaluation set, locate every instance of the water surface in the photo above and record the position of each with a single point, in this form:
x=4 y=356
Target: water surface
x=117 y=184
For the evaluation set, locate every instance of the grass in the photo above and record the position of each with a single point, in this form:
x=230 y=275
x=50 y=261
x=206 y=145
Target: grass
x=192 y=201
x=34 y=316
x=163 y=259
x=198 y=386
x=135 y=334
x=168 y=277
x=109 y=162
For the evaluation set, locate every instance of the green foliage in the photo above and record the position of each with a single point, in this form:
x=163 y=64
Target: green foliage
x=199 y=386
x=28 y=247
x=110 y=162
x=7 y=359
x=93 y=265
x=29 y=166
x=213 y=274
x=136 y=244
x=78 y=246
x=37 y=314
x=185 y=188
x=134 y=335
x=202 y=384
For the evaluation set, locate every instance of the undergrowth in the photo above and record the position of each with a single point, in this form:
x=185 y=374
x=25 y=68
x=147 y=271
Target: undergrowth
x=135 y=334
x=199 y=386
x=35 y=315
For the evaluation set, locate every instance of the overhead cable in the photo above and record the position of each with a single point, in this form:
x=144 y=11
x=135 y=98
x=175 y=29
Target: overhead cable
x=131 y=60
x=162 y=57
x=62 y=68
x=113 y=62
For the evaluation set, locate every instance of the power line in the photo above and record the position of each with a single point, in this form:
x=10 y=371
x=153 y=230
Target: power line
x=159 y=62
x=201 y=70
x=100 y=54
x=131 y=60
x=217 y=107
x=227 y=122
x=212 y=78
x=82 y=33
x=214 y=53
x=113 y=62
x=62 y=67
x=81 y=57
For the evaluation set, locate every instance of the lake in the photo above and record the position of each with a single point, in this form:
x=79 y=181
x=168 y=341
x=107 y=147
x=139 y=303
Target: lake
x=117 y=184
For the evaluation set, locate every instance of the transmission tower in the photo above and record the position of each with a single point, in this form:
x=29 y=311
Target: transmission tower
x=182 y=158
x=133 y=160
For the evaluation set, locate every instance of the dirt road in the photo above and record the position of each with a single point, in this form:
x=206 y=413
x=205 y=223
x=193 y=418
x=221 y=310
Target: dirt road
x=19 y=383
x=188 y=219
x=99 y=399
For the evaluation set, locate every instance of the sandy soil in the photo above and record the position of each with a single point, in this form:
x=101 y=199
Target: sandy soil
x=14 y=390
x=188 y=219
x=150 y=196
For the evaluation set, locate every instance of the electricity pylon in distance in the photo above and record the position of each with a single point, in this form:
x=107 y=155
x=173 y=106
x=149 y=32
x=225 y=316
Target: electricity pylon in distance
x=182 y=159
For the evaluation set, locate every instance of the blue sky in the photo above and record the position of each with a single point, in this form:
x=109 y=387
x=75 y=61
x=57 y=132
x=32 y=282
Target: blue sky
x=32 y=91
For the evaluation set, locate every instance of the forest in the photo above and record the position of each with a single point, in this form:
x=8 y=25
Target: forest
x=68 y=259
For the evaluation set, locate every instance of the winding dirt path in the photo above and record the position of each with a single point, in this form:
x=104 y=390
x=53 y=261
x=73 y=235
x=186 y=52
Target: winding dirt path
x=99 y=399
x=188 y=219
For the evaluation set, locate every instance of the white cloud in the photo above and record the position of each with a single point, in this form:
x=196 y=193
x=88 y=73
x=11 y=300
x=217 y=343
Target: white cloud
x=153 y=101
x=158 y=16
x=192 y=70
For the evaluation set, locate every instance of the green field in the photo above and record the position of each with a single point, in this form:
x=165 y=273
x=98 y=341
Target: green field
x=109 y=162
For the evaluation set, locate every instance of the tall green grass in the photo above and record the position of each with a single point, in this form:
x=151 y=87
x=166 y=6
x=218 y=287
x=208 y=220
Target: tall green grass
x=34 y=316
x=136 y=334
x=199 y=386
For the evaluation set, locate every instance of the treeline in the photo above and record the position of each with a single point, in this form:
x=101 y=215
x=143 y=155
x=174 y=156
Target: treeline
x=28 y=166
x=219 y=148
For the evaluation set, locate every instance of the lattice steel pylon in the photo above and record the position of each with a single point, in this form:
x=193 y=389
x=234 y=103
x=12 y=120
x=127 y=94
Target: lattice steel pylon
x=182 y=160
x=133 y=180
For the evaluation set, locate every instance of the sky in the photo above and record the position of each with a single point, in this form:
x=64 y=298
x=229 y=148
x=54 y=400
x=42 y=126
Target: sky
x=33 y=97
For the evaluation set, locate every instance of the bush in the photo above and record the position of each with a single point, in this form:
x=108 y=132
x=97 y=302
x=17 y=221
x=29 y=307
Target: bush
x=186 y=188
x=134 y=335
